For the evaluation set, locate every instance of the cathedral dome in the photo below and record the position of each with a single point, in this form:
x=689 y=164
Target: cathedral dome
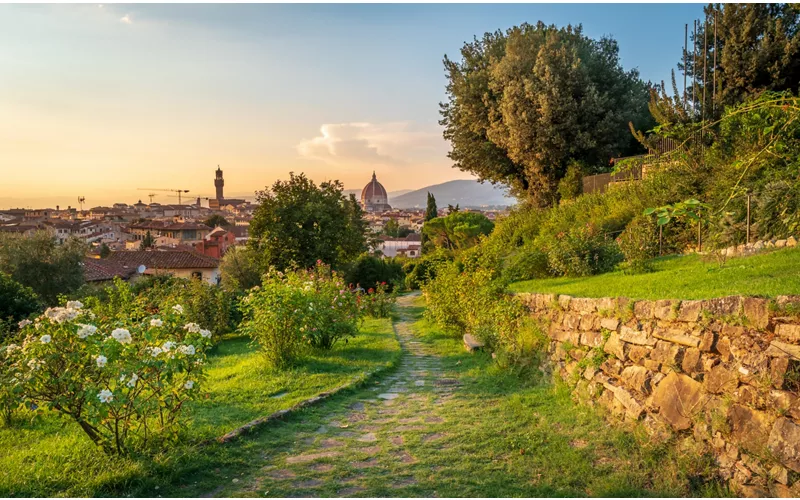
x=374 y=197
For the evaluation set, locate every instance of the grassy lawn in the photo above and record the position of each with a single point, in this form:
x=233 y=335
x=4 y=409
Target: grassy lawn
x=687 y=277
x=51 y=457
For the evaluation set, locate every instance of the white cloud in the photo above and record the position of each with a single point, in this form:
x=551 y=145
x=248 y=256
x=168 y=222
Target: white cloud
x=126 y=19
x=390 y=144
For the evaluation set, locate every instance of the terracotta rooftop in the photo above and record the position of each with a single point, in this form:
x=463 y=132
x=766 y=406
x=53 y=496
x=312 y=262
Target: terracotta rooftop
x=163 y=259
x=103 y=270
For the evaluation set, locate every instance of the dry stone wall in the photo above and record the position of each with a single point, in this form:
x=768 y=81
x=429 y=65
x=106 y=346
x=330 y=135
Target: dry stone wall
x=722 y=373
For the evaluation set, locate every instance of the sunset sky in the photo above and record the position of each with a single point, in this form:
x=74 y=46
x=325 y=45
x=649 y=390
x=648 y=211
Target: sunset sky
x=97 y=101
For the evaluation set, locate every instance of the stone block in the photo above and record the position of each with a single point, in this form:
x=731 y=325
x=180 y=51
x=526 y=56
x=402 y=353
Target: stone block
x=723 y=348
x=582 y=305
x=747 y=395
x=592 y=339
x=733 y=331
x=756 y=311
x=707 y=341
x=572 y=321
x=611 y=367
x=784 y=402
x=783 y=301
x=791 y=241
x=637 y=378
x=563 y=301
x=779 y=349
x=643 y=309
x=678 y=398
x=667 y=353
x=749 y=428
x=691 y=362
x=589 y=372
x=589 y=322
x=631 y=336
x=605 y=304
x=777 y=370
x=790 y=333
x=560 y=335
x=472 y=344
x=609 y=324
x=690 y=310
x=709 y=361
x=676 y=336
x=633 y=409
x=652 y=365
x=663 y=309
x=638 y=352
x=784 y=443
x=780 y=243
x=615 y=346
x=721 y=380
x=723 y=306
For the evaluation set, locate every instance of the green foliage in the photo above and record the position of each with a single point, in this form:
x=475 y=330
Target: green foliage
x=209 y=306
x=147 y=242
x=391 y=228
x=378 y=301
x=523 y=104
x=684 y=210
x=571 y=185
x=526 y=264
x=369 y=270
x=423 y=269
x=431 y=212
x=639 y=244
x=582 y=253
x=105 y=251
x=298 y=222
x=40 y=263
x=457 y=230
x=124 y=382
x=777 y=210
x=298 y=309
x=240 y=268
x=17 y=302
x=216 y=220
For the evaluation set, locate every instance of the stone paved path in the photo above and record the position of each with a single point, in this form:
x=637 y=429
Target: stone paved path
x=373 y=431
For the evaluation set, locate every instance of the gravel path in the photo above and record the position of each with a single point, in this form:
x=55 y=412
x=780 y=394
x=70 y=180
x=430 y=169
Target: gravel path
x=368 y=437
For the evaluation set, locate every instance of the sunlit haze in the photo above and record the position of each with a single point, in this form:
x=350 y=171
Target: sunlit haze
x=99 y=100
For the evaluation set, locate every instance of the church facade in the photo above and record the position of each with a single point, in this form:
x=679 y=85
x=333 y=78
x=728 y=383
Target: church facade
x=374 y=197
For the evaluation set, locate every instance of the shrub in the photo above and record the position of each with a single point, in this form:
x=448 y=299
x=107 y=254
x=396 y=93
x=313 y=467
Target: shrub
x=639 y=244
x=528 y=263
x=571 y=185
x=378 y=301
x=583 y=252
x=297 y=309
x=420 y=271
x=368 y=270
x=17 y=302
x=123 y=382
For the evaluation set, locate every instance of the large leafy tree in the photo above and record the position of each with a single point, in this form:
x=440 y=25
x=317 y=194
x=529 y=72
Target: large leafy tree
x=458 y=230
x=39 y=262
x=17 y=302
x=298 y=223
x=523 y=104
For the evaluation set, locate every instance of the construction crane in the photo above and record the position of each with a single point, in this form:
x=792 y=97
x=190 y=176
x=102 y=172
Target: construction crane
x=151 y=195
x=81 y=199
x=179 y=191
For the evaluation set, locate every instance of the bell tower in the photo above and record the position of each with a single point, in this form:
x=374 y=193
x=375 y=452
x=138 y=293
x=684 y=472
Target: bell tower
x=219 y=182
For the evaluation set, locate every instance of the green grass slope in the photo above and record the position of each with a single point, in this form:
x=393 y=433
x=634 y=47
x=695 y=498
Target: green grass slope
x=687 y=277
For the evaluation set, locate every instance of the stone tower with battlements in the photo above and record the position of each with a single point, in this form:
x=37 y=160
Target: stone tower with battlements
x=219 y=182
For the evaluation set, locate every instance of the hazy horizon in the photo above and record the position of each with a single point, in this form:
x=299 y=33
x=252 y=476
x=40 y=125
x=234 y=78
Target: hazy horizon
x=99 y=100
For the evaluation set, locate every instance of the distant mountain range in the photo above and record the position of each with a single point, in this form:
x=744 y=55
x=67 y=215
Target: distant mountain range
x=465 y=193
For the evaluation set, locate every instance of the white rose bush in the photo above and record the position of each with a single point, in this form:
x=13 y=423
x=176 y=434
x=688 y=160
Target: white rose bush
x=124 y=383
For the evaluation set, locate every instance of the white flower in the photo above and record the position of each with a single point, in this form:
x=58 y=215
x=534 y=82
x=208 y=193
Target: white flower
x=205 y=333
x=132 y=381
x=91 y=315
x=155 y=351
x=105 y=396
x=168 y=346
x=74 y=304
x=60 y=314
x=45 y=339
x=187 y=349
x=10 y=348
x=35 y=364
x=189 y=384
x=178 y=308
x=24 y=323
x=122 y=336
x=86 y=330
x=192 y=327
x=101 y=361
x=156 y=322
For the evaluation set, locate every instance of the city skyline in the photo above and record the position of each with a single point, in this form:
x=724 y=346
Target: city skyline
x=101 y=100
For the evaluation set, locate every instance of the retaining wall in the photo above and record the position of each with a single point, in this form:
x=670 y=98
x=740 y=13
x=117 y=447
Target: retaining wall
x=722 y=373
